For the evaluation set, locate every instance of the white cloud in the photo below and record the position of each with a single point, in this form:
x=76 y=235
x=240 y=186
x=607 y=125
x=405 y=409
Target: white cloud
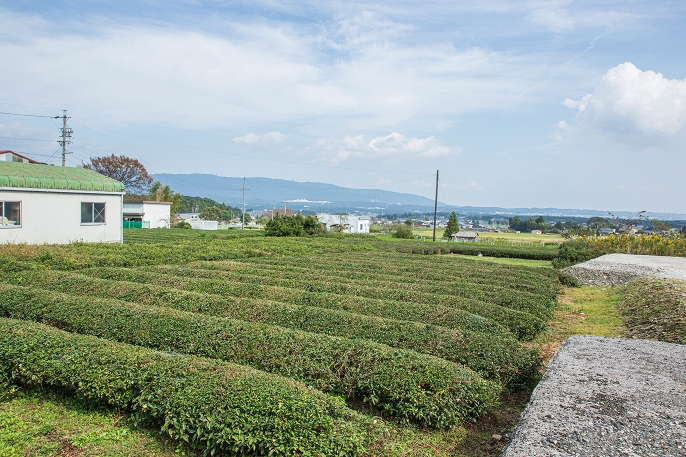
x=564 y=16
x=383 y=147
x=361 y=71
x=473 y=185
x=267 y=138
x=631 y=101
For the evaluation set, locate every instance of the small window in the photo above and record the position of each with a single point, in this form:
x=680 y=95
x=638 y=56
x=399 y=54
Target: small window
x=10 y=214
x=92 y=213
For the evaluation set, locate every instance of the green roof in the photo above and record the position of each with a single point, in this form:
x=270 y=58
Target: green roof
x=36 y=176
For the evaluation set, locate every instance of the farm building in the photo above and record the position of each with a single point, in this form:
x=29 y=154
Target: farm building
x=11 y=156
x=607 y=231
x=347 y=223
x=146 y=214
x=537 y=232
x=465 y=237
x=47 y=204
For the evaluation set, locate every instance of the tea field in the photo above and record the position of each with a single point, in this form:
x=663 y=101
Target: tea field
x=245 y=345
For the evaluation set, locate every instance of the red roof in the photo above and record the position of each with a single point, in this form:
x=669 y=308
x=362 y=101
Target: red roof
x=19 y=155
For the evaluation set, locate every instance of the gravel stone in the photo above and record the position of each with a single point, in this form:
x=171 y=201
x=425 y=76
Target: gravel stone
x=618 y=269
x=607 y=397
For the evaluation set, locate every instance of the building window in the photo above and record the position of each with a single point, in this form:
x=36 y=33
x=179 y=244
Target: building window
x=92 y=213
x=10 y=214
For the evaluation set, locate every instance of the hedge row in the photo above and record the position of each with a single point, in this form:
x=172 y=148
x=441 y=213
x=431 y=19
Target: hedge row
x=495 y=356
x=416 y=269
x=453 y=297
x=476 y=249
x=216 y=407
x=450 y=281
x=523 y=324
x=406 y=386
x=433 y=268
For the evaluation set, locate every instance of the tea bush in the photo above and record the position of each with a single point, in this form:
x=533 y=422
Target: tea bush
x=407 y=386
x=215 y=407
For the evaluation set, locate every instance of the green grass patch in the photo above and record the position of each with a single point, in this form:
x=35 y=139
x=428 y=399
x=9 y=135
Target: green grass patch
x=46 y=422
x=582 y=311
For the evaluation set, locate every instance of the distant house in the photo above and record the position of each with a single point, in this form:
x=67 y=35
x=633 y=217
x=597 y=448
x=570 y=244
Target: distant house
x=347 y=223
x=606 y=231
x=465 y=237
x=47 y=204
x=537 y=232
x=10 y=156
x=146 y=214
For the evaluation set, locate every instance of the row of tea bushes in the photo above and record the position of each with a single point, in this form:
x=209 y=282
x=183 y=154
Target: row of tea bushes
x=496 y=356
x=524 y=325
x=215 y=407
x=453 y=297
x=407 y=386
x=444 y=269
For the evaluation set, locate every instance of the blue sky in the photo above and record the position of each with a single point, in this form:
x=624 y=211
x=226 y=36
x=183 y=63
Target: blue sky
x=562 y=103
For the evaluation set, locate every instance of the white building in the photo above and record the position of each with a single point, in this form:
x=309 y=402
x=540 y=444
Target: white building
x=147 y=214
x=347 y=223
x=47 y=204
x=200 y=224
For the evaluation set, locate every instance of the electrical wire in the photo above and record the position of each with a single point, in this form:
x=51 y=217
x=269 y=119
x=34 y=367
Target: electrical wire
x=22 y=139
x=28 y=115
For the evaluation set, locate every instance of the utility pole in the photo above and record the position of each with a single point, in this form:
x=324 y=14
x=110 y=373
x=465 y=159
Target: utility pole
x=436 y=205
x=66 y=133
x=243 y=220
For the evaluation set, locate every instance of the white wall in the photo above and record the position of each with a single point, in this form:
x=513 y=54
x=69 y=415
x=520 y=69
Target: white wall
x=199 y=224
x=158 y=214
x=353 y=223
x=55 y=217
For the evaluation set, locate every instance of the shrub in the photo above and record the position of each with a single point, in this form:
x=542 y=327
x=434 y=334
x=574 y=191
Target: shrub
x=182 y=225
x=292 y=226
x=495 y=356
x=568 y=280
x=402 y=231
x=216 y=407
x=407 y=386
x=576 y=251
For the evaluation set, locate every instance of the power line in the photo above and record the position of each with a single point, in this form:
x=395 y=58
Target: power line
x=22 y=139
x=29 y=115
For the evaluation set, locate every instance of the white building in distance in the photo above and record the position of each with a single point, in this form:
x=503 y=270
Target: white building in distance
x=346 y=223
x=47 y=204
x=147 y=214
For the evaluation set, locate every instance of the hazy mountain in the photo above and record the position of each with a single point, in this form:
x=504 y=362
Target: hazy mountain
x=266 y=193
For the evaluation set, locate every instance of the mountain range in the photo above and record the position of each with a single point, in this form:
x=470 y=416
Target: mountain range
x=268 y=193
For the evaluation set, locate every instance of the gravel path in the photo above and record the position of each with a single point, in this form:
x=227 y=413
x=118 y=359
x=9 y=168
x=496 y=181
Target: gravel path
x=607 y=397
x=616 y=269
